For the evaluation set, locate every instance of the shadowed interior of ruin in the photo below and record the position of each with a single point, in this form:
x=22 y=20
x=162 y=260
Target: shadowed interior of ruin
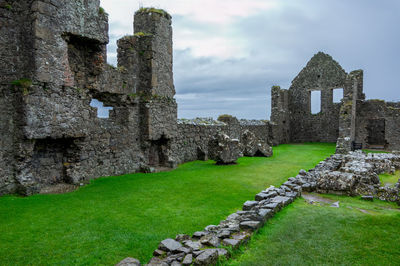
x=376 y=132
x=158 y=152
x=52 y=157
x=85 y=58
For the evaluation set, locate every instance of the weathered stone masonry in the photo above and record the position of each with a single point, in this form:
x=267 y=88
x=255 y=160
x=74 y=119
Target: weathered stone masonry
x=195 y=136
x=53 y=63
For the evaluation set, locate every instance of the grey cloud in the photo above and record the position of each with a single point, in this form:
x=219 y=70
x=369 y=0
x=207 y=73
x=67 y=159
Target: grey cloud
x=358 y=34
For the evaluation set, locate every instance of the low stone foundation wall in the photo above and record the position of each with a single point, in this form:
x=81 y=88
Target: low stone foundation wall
x=357 y=174
x=206 y=246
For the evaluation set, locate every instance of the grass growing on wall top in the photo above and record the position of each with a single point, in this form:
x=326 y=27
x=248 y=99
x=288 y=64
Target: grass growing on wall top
x=116 y=217
x=357 y=233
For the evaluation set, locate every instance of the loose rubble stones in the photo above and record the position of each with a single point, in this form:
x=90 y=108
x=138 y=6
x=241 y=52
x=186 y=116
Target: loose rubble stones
x=232 y=243
x=355 y=173
x=225 y=150
x=129 y=262
x=368 y=198
x=207 y=257
x=169 y=245
x=253 y=146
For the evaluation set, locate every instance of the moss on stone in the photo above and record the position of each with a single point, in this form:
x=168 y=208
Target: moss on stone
x=22 y=83
x=8 y=6
x=376 y=100
x=121 y=69
x=142 y=34
x=101 y=11
x=224 y=116
x=153 y=10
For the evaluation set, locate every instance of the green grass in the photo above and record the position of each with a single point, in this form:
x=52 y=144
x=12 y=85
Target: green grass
x=390 y=179
x=116 y=217
x=304 y=234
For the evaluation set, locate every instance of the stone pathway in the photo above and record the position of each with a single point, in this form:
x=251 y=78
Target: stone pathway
x=313 y=198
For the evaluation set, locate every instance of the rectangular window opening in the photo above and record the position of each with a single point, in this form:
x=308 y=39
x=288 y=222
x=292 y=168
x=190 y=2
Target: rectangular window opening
x=315 y=102
x=337 y=95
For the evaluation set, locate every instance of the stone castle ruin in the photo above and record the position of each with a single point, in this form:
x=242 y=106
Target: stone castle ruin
x=53 y=66
x=352 y=122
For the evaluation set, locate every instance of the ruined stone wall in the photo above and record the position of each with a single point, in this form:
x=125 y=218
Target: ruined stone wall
x=157 y=60
x=392 y=126
x=280 y=116
x=378 y=124
x=261 y=129
x=51 y=133
x=15 y=60
x=194 y=136
x=62 y=140
x=353 y=120
x=193 y=141
x=324 y=74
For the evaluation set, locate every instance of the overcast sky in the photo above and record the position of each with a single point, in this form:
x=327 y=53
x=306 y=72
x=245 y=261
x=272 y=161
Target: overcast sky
x=228 y=54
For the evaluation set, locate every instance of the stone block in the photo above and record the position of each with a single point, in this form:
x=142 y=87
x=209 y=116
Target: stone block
x=250 y=225
x=207 y=257
x=129 y=262
x=248 y=205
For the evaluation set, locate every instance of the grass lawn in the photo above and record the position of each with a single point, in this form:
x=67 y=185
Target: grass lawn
x=116 y=217
x=389 y=179
x=357 y=233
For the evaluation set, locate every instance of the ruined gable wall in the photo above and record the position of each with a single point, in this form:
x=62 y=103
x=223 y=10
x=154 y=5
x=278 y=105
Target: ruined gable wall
x=324 y=74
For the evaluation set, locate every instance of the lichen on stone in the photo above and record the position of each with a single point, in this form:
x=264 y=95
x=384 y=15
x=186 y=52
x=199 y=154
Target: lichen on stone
x=153 y=10
x=142 y=34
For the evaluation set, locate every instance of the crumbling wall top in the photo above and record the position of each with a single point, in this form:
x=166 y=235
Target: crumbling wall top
x=150 y=10
x=321 y=72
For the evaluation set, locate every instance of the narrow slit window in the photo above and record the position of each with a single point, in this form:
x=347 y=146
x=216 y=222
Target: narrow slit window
x=102 y=111
x=337 y=95
x=315 y=102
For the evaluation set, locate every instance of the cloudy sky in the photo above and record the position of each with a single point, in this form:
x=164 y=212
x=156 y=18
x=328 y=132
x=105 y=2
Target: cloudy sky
x=228 y=54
